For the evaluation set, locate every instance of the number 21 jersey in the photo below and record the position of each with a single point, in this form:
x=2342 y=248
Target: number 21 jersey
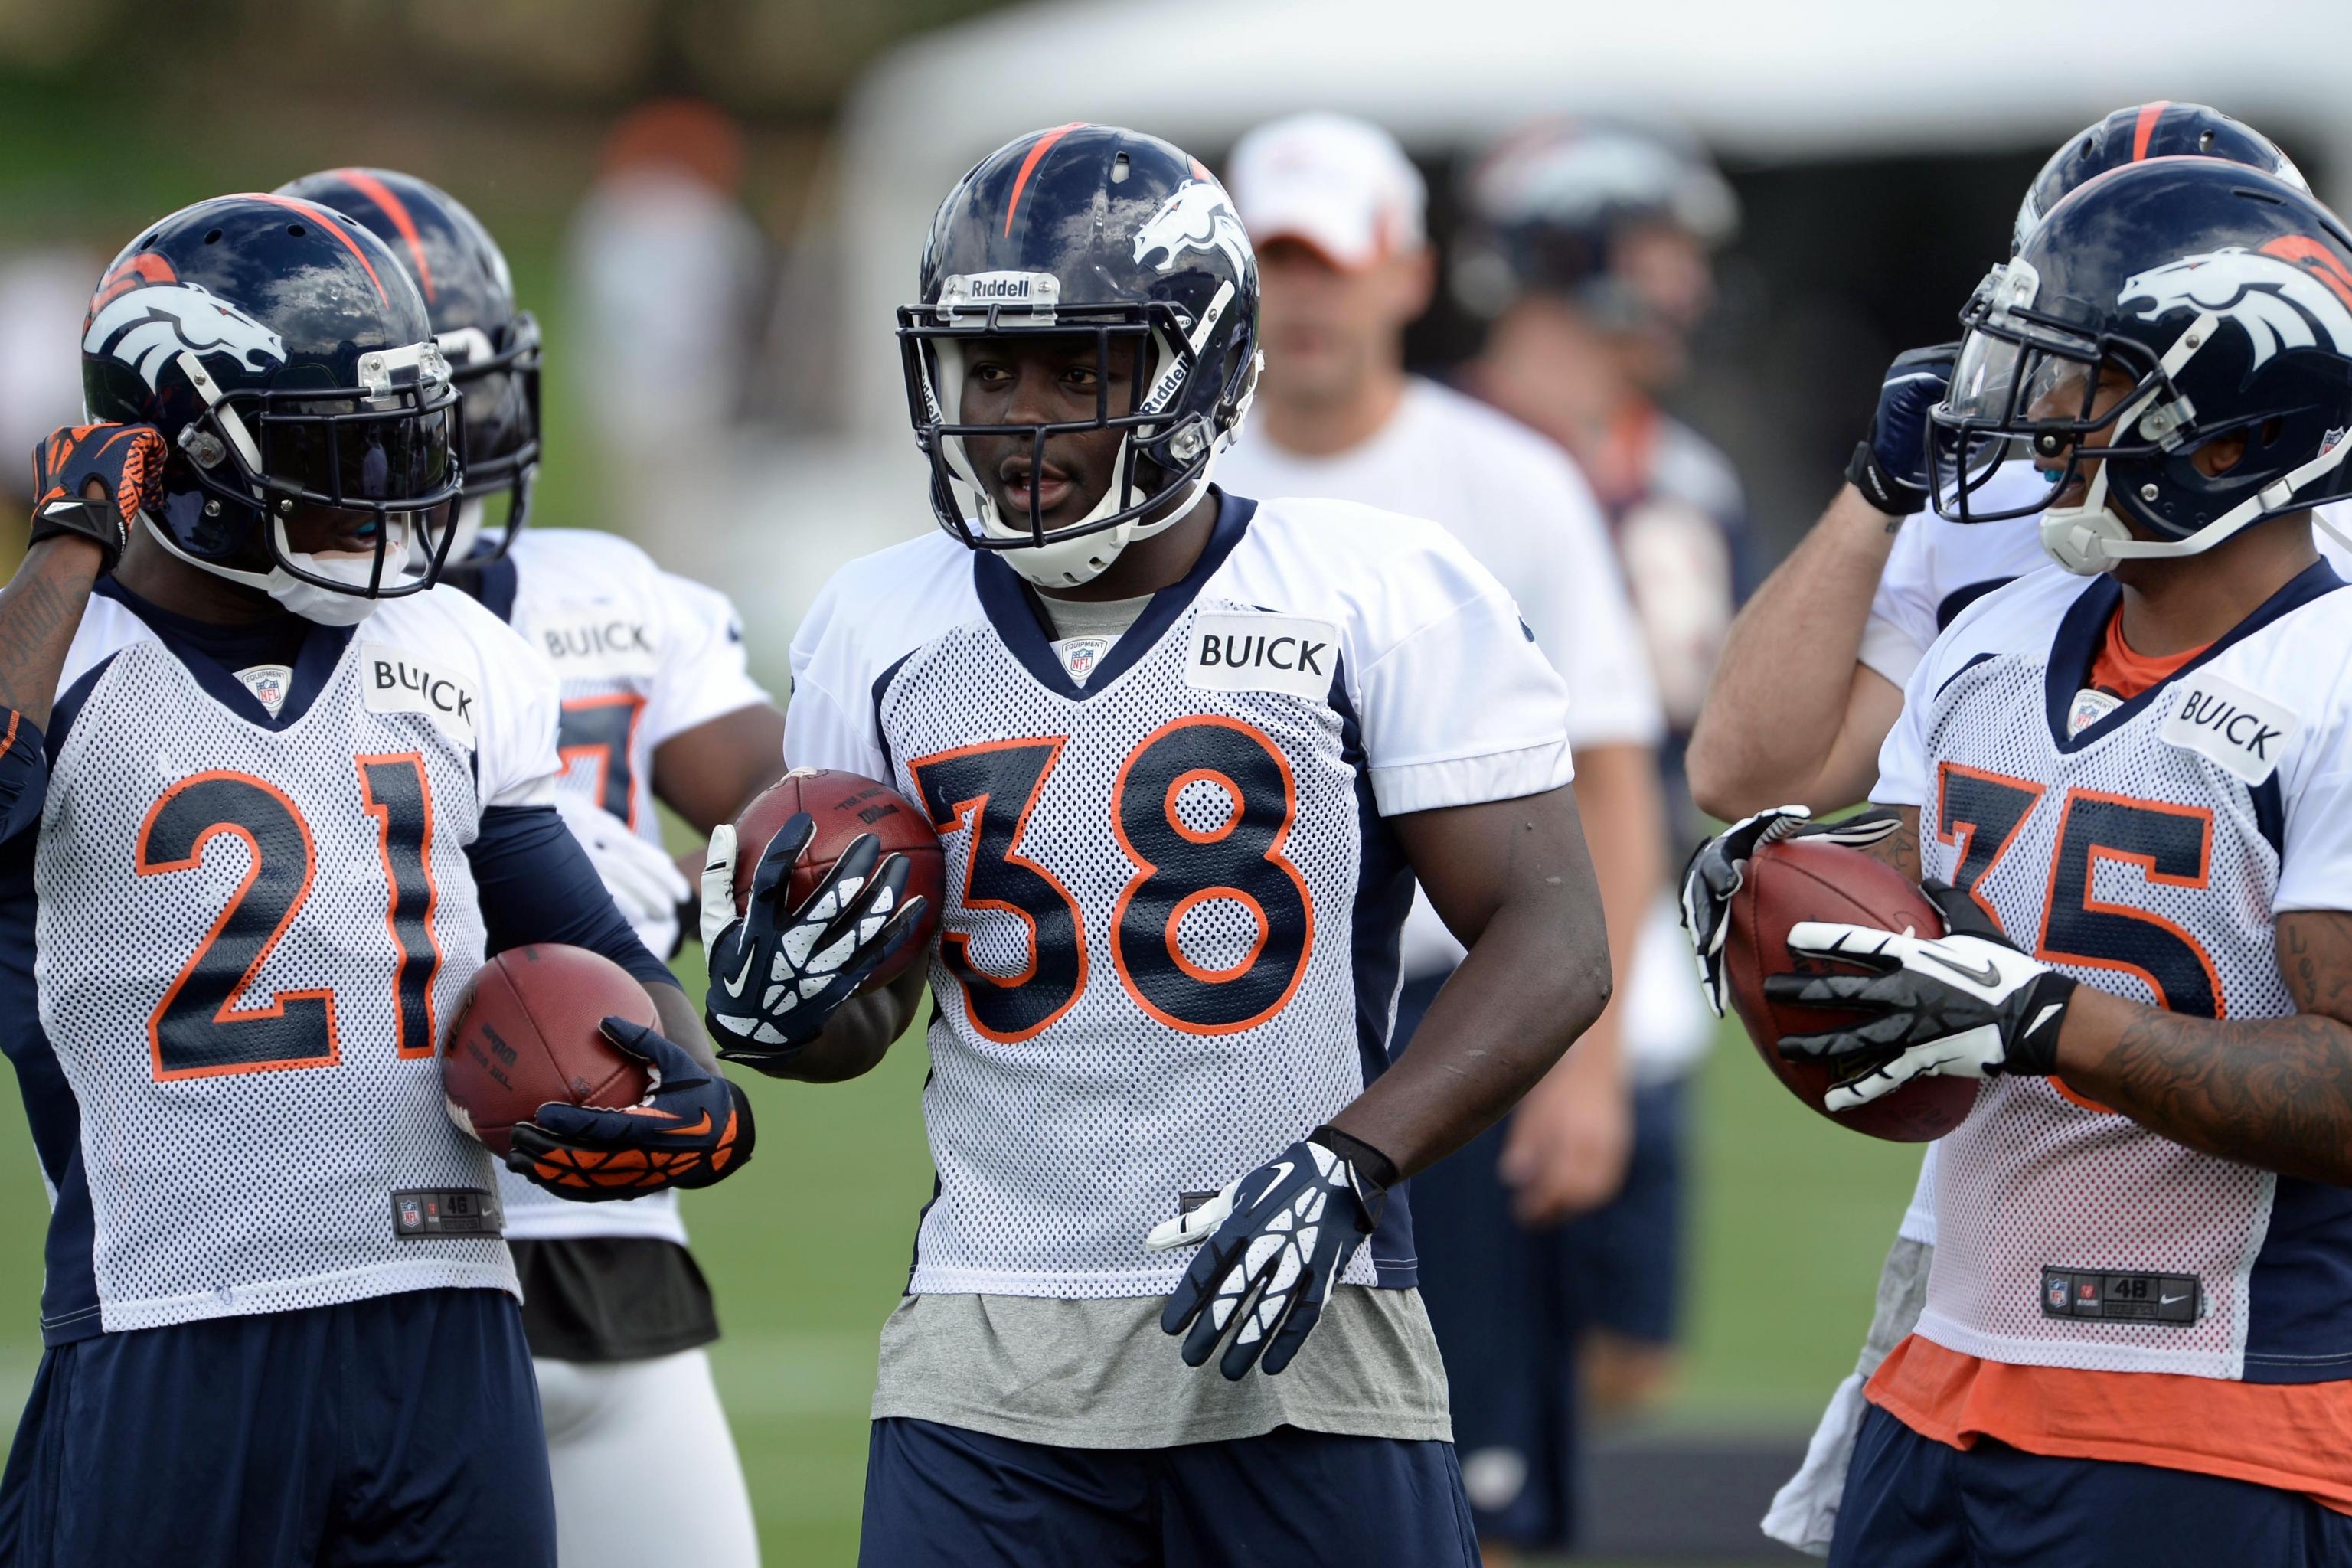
x=1170 y=945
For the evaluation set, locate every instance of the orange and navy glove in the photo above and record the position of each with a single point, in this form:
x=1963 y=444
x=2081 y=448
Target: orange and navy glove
x=124 y=459
x=694 y=1128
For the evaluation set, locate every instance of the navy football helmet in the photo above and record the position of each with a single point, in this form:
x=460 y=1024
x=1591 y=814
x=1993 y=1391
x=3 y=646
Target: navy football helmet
x=287 y=360
x=1086 y=232
x=1548 y=205
x=493 y=348
x=2134 y=135
x=2209 y=301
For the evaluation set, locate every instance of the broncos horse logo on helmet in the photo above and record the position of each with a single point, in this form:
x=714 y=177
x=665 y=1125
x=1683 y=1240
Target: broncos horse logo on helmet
x=148 y=326
x=1197 y=216
x=2278 y=303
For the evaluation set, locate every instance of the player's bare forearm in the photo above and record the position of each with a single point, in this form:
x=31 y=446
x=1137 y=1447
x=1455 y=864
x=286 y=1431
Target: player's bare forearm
x=40 y=610
x=1513 y=880
x=1790 y=717
x=681 y=1023
x=709 y=774
x=2276 y=1093
x=1900 y=848
x=856 y=1037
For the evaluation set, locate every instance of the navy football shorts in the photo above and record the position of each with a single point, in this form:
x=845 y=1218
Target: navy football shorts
x=945 y=1496
x=1510 y=1305
x=1912 y=1503
x=394 y=1432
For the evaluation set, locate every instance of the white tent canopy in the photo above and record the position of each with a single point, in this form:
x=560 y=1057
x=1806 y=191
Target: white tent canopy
x=1759 y=83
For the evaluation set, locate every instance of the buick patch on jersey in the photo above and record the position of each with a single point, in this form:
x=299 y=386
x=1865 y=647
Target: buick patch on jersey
x=396 y=682
x=1262 y=653
x=2245 y=735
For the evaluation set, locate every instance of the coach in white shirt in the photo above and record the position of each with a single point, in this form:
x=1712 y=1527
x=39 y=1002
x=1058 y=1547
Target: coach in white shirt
x=1336 y=212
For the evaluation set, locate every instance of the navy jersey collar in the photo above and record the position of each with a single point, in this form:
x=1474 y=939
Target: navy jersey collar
x=489 y=581
x=200 y=647
x=1011 y=605
x=2084 y=627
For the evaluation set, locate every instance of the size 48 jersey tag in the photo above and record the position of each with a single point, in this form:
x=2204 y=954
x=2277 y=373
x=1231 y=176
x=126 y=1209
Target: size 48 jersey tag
x=2128 y=1298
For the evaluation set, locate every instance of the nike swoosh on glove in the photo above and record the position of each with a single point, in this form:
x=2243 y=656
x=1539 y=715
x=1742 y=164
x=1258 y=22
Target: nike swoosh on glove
x=1276 y=1241
x=779 y=972
x=1718 y=868
x=1964 y=1005
x=122 y=459
x=692 y=1128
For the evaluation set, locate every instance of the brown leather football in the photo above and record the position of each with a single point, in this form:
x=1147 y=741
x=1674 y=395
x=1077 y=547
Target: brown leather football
x=1811 y=880
x=844 y=805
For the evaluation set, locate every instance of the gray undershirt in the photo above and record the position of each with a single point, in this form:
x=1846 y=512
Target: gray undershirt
x=1100 y=1374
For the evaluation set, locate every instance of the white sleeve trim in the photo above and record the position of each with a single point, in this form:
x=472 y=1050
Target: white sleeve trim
x=1889 y=649
x=1472 y=780
x=540 y=790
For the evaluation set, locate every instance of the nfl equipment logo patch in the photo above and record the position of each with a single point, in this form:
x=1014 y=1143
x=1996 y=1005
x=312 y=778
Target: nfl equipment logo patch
x=1080 y=655
x=268 y=683
x=412 y=1216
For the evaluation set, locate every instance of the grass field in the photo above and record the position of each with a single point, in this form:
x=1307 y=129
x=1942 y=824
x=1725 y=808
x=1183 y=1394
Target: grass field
x=809 y=1249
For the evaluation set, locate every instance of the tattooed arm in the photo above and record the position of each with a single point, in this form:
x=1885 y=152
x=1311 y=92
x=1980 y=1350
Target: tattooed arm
x=2270 y=1092
x=40 y=610
x=1900 y=848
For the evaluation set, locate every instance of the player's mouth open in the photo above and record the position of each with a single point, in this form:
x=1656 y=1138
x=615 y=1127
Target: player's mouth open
x=1052 y=485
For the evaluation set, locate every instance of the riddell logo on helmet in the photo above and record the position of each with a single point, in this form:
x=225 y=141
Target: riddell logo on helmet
x=148 y=327
x=2288 y=295
x=1034 y=290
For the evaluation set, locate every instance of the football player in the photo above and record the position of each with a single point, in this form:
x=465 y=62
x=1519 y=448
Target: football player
x=2135 y=1340
x=1187 y=753
x=656 y=705
x=268 y=803
x=1813 y=675
x=1336 y=212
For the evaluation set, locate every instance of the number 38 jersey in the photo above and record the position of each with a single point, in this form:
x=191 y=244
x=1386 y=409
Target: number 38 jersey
x=1170 y=945
x=2148 y=854
x=251 y=926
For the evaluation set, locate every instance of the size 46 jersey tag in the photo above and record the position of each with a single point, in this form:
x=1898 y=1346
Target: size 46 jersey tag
x=445 y=1211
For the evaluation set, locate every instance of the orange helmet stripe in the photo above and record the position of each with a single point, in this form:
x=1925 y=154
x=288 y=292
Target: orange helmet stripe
x=325 y=220
x=2149 y=113
x=396 y=209
x=1038 y=151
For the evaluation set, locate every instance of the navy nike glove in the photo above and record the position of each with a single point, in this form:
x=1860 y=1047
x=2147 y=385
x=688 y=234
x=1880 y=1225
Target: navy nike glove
x=1968 y=1003
x=779 y=972
x=1718 y=868
x=1890 y=467
x=692 y=1128
x=122 y=459
x=1271 y=1246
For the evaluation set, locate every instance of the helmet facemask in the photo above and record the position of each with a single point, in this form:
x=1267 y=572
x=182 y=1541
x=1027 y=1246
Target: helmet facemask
x=388 y=449
x=501 y=389
x=1163 y=460
x=2029 y=385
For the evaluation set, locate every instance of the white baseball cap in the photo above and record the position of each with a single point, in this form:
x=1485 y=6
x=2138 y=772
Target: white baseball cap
x=1341 y=184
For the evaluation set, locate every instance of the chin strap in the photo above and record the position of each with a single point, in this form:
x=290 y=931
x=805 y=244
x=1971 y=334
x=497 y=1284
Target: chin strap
x=2087 y=539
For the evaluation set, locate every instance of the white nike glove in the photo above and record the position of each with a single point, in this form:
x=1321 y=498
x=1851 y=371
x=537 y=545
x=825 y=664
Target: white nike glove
x=1965 y=1005
x=1718 y=868
x=645 y=883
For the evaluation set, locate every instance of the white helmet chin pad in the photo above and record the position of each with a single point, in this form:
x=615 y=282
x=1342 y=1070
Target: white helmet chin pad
x=308 y=600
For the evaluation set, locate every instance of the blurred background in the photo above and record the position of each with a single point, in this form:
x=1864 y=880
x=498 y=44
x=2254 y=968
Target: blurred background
x=713 y=206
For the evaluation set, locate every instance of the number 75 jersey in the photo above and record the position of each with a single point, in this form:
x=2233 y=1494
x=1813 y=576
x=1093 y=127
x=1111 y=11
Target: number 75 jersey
x=2148 y=852
x=1170 y=945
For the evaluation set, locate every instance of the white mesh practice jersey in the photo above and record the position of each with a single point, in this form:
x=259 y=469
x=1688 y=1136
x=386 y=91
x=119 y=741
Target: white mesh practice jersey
x=1170 y=945
x=2147 y=856
x=250 y=928
x=642 y=654
x=1938 y=567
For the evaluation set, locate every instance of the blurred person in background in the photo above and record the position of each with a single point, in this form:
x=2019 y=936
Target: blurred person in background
x=1336 y=211
x=1812 y=676
x=656 y=705
x=43 y=296
x=666 y=274
x=1589 y=245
